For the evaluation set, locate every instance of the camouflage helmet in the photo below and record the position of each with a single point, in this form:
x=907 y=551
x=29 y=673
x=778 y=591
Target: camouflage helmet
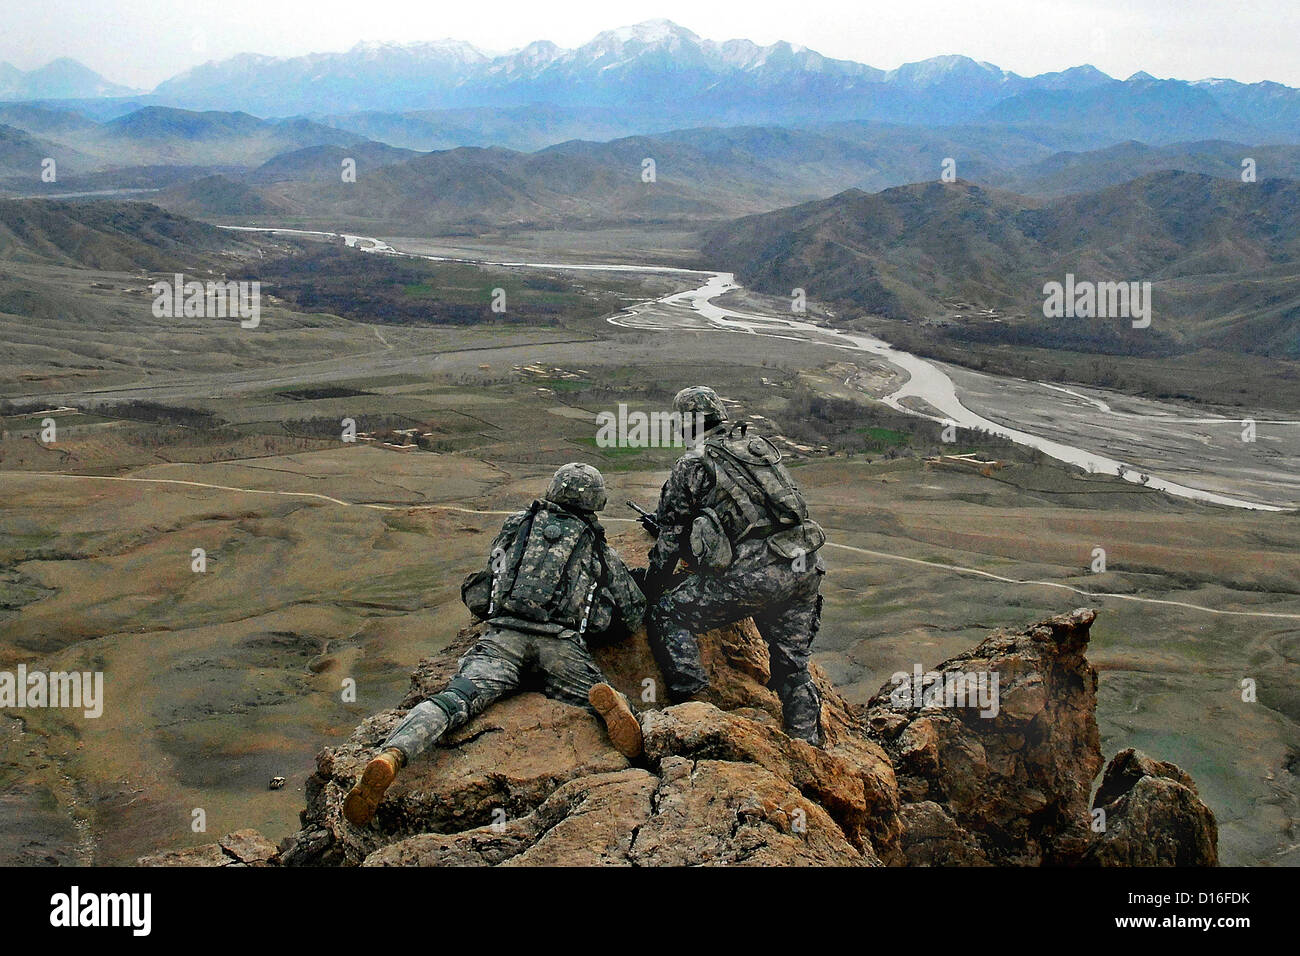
x=577 y=486
x=700 y=399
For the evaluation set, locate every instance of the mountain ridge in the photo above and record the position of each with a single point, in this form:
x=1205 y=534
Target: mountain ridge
x=659 y=75
x=666 y=71
x=60 y=79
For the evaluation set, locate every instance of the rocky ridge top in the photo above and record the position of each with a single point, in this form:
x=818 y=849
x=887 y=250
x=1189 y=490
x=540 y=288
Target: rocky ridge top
x=535 y=782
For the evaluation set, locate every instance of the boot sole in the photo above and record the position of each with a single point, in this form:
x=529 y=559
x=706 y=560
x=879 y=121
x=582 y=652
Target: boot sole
x=620 y=723
x=363 y=800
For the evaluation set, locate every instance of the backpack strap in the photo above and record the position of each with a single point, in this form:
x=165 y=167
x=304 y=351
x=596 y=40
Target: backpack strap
x=759 y=509
x=501 y=587
x=599 y=550
x=602 y=574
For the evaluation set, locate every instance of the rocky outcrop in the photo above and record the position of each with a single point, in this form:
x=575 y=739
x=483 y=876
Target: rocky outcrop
x=1013 y=784
x=532 y=780
x=1151 y=815
x=535 y=782
x=241 y=848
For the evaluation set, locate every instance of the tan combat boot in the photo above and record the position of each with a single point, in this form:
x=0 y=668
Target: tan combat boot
x=623 y=727
x=362 y=801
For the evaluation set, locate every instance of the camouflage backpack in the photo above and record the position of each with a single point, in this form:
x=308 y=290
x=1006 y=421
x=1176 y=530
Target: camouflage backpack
x=548 y=572
x=754 y=497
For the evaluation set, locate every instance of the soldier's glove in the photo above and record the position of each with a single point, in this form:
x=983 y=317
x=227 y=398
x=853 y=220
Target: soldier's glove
x=650 y=525
x=638 y=575
x=655 y=584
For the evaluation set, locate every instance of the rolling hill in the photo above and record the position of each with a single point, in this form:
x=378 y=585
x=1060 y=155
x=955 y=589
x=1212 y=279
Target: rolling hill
x=108 y=235
x=1142 y=108
x=217 y=197
x=703 y=176
x=155 y=147
x=1223 y=258
x=1070 y=172
x=523 y=128
x=21 y=154
x=159 y=134
x=699 y=176
x=325 y=162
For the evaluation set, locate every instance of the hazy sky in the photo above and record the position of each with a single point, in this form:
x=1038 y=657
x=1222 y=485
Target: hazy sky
x=141 y=42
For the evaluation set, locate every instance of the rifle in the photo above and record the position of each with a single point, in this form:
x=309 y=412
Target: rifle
x=647 y=519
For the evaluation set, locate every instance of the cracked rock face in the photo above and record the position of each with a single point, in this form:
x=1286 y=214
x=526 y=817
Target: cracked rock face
x=1012 y=788
x=241 y=848
x=690 y=813
x=533 y=782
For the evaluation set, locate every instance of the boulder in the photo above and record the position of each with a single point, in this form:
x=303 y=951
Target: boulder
x=241 y=848
x=690 y=813
x=933 y=838
x=1151 y=815
x=528 y=762
x=1016 y=783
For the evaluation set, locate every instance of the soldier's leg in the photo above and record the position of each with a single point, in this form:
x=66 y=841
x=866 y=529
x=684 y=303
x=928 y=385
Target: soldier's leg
x=572 y=676
x=698 y=604
x=568 y=670
x=789 y=632
x=489 y=670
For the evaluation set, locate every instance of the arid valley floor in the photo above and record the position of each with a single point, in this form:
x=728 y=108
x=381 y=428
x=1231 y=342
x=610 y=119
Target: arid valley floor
x=330 y=560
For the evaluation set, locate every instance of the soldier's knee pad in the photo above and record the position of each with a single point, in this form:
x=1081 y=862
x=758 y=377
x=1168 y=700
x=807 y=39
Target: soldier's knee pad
x=463 y=687
x=456 y=700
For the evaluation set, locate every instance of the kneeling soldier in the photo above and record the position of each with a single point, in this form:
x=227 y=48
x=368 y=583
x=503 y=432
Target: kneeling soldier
x=731 y=511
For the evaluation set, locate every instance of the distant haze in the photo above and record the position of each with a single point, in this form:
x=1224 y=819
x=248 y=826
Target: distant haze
x=140 y=43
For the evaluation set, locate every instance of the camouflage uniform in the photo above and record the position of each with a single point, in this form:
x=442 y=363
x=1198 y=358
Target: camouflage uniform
x=780 y=592
x=551 y=581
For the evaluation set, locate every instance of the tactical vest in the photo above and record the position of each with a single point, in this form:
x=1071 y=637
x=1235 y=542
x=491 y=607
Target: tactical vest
x=753 y=497
x=550 y=573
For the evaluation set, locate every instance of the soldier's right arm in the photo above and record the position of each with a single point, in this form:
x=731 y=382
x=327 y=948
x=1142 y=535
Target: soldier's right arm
x=691 y=479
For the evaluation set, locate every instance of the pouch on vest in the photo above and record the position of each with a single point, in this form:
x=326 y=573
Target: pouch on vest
x=710 y=545
x=802 y=540
x=476 y=592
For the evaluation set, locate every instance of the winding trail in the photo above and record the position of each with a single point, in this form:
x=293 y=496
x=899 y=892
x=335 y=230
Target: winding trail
x=866 y=552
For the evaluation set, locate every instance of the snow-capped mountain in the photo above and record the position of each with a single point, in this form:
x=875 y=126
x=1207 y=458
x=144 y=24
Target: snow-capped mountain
x=655 y=60
x=658 y=75
x=370 y=75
